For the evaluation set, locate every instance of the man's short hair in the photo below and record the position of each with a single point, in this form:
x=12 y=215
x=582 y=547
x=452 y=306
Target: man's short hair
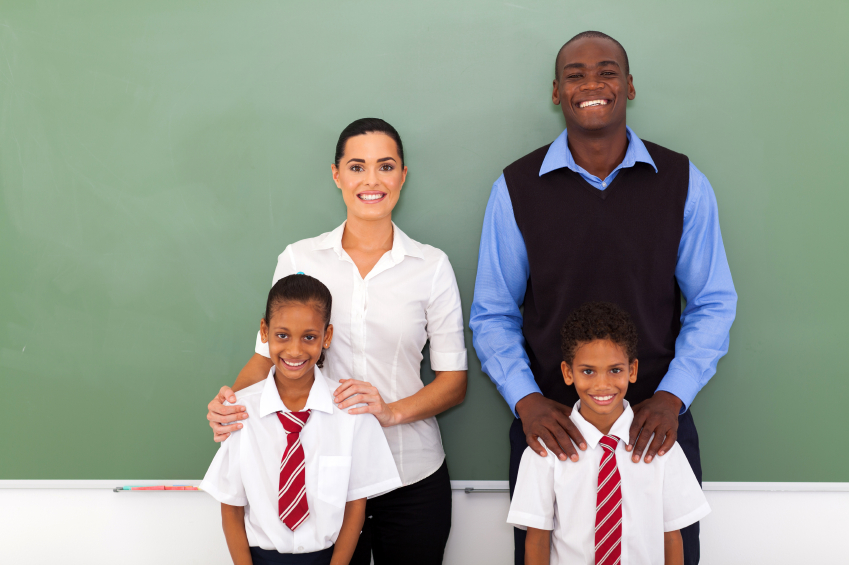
x=590 y=34
x=598 y=320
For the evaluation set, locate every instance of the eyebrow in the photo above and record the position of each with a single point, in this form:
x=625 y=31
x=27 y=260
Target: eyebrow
x=363 y=160
x=583 y=66
x=287 y=330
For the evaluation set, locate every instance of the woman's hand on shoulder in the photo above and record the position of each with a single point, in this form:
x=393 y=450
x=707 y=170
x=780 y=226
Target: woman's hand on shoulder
x=352 y=391
x=224 y=419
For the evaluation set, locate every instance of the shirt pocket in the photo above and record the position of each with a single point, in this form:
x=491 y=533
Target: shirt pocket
x=333 y=474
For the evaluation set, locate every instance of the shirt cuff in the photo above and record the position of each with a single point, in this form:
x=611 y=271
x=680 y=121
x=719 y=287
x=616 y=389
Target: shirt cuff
x=260 y=347
x=449 y=360
x=690 y=518
x=681 y=385
x=222 y=496
x=374 y=490
x=524 y=520
x=517 y=388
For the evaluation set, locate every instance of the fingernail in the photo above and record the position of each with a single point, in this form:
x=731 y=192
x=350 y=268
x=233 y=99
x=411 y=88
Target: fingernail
x=232 y=399
x=648 y=458
x=583 y=446
x=240 y=426
x=543 y=453
x=562 y=457
x=574 y=458
x=244 y=416
x=661 y=452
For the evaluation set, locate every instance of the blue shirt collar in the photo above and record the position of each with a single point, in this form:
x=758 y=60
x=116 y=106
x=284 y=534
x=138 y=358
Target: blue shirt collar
x=559 y=156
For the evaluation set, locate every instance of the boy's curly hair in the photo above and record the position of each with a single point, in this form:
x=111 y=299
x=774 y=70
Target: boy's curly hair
x=598 y=320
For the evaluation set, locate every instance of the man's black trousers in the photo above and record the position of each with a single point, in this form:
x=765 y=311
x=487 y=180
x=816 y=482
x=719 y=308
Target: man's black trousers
x=688 y=439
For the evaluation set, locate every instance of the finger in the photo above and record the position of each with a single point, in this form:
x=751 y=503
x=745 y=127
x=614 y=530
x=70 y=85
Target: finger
x=534 y=444
x=643 y=440
x=219 y=429
x=545 y=436
x=358 y=391
x=658 y=440
x=371 y=400
x=218 y=438
x=218 y=408
x=226 y=418
x=226 y=394
x=574 y=433
x=368 y=409
x=567 y=450
x=634 y=431
x=671 y=437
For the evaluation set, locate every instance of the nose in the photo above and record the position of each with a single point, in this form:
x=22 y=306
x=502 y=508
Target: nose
x=371 y=177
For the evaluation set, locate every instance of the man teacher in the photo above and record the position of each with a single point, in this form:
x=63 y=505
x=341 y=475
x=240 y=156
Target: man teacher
x=601 y=215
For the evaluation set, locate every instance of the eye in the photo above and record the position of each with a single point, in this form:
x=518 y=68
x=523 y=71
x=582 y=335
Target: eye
x=573 y=76
x=387 y=167
x=587 y=371
x=282 y=336
x=309 y=337
x=357 y=168
x=616 y=371
x=608 y=73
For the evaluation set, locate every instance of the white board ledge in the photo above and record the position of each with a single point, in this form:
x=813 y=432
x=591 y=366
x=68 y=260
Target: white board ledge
x=455 y=485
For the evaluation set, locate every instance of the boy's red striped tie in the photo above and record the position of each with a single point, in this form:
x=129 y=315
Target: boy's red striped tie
x=292 y=496
x=608 y=509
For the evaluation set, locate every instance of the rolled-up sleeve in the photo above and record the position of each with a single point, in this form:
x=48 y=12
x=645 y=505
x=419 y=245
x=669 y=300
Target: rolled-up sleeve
x=285 y=267
x=445 y=321
x=500 y=285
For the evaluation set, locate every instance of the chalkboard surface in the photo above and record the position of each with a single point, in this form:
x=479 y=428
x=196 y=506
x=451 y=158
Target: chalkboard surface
x=156 y=157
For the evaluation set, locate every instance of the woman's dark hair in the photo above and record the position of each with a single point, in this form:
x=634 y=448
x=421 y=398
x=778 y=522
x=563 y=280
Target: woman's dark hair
x=300 y=289
x=598 y=320
x=363 y=126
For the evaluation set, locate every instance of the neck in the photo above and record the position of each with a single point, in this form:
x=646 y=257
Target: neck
x=294 y=394
x=368 y=235
x=602 y=422
x=598 y=152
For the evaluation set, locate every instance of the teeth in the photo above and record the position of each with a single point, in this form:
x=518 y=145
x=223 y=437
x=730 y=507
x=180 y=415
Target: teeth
x=295 y=364
x=603 y=398
x=371 y=196
x=589 y=103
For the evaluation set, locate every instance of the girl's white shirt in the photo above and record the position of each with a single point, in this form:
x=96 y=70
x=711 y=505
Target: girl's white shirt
x=347 y=458
x=381 y=324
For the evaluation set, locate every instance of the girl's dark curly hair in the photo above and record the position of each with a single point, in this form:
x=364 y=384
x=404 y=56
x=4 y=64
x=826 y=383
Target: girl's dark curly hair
x=598 y=320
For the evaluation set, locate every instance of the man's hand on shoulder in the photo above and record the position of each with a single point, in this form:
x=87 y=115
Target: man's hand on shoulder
x=547 y=420
x=659 y=416
x=224 y=419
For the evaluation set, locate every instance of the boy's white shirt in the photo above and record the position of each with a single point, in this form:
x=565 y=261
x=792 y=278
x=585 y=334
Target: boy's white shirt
x=657 y=497
x=347 y=458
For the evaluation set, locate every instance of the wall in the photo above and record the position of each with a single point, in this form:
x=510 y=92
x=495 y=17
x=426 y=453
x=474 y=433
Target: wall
x=98 y=526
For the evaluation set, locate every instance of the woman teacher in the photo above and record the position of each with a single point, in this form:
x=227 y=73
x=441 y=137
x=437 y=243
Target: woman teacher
x=391 y=294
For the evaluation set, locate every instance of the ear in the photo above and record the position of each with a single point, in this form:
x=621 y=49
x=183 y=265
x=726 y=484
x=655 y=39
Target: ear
x=328 y=336
x=263 y=331
x=631 y=92
x=555 y=94
x=403 y=177
x=632 y=370
x=566 y=369
x=335 y=170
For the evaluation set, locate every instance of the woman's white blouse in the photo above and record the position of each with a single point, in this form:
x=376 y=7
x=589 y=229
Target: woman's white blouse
x=380 y=327
x=346 y=458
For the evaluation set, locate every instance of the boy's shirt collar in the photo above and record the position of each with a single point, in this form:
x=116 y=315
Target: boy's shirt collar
x=319 y=398
x=621 y=428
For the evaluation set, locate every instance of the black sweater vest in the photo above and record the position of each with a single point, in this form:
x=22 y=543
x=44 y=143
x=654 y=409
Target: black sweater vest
x=619 y=245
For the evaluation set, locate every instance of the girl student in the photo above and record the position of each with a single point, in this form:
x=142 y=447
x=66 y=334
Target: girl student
x=391 y=295
x=293 y=481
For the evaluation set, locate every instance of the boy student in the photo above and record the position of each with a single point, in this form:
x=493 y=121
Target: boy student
x=293 y=481
x=604 y=509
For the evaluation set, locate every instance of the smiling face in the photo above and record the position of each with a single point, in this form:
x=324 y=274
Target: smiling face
x=600 y=372
x=593 y=85
x=295 y=336
x=370 y=175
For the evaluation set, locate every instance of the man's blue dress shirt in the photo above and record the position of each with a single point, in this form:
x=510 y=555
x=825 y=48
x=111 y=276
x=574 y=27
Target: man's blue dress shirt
x=702 y=272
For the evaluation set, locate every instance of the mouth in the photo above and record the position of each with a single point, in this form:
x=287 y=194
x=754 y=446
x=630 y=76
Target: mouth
x=371 y=196
x=603 y=400
x=294 y=364
x=593 y=103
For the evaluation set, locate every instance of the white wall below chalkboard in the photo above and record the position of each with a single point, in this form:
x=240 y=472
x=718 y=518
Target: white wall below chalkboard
x=94 y=526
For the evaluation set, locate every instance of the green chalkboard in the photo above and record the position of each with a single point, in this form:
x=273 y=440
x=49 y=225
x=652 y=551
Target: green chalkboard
x=156 y=156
